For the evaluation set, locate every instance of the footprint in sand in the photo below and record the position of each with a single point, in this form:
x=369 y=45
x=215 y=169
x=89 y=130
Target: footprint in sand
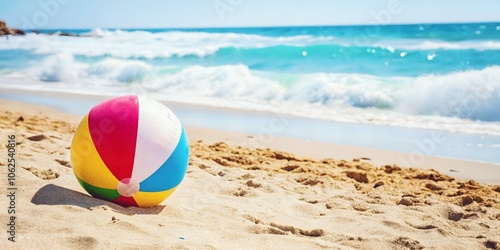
x=77 y=242
x=253 y=184
x=407 y=243
x=48 y=174
x=274 y=228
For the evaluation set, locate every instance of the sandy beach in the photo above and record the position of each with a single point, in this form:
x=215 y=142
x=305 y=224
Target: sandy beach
x=287 y=196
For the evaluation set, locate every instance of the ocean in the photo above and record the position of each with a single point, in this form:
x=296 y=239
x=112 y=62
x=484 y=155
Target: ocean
x=429 y=76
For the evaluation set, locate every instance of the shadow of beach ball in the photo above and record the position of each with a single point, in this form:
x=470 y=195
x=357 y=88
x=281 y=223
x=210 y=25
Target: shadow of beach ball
x=130 y=150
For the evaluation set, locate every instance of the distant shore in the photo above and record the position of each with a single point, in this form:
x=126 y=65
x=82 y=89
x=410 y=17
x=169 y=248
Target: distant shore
x=6 y=30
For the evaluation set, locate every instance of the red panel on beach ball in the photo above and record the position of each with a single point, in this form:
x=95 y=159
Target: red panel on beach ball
x=113 y=127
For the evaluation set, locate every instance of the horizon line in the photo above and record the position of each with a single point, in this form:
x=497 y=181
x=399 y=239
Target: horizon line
x=271 y=26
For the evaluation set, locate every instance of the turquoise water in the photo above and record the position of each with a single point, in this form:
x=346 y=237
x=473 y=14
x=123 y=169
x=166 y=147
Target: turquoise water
x=394 y=50
x=433 y=76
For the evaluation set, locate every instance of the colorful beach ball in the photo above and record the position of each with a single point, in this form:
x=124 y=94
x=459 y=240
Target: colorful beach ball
x=130 y=150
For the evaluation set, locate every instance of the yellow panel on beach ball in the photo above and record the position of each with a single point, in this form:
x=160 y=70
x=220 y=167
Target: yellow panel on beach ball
x=87 y=164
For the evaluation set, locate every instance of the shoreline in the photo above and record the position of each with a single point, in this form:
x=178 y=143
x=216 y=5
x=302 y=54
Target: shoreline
x=487 y=173
x=265 y=125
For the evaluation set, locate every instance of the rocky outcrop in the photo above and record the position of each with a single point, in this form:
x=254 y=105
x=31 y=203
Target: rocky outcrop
x=5 y=30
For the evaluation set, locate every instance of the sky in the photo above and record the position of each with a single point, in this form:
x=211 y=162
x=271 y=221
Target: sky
x=55 y=14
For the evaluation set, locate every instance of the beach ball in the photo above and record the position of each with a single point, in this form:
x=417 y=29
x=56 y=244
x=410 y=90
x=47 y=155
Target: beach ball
x=131 y=150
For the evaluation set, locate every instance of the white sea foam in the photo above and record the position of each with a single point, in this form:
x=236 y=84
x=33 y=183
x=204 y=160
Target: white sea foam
x=413 y=45
x=142 y=44
x=59 y=68
x=124 y=71
x=463 y=101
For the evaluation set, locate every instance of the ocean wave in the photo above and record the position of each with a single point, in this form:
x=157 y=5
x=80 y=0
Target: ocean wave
x=238 y=40
x=143 y=44
x=123 y=71
x=473 y=94
x=59 y=68
x=465 y=101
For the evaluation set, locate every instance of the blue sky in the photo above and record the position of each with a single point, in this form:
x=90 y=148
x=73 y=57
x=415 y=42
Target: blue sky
x=42 y=14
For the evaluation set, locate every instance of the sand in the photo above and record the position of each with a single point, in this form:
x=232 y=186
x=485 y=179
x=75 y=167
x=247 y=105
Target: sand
x=236 y=196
